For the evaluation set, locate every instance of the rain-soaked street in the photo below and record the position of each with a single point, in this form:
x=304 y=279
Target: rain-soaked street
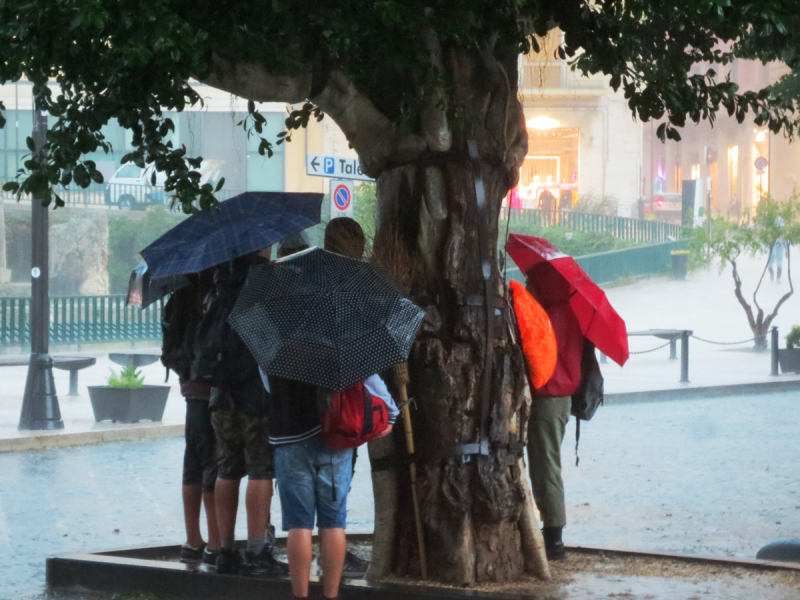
x=714 y=477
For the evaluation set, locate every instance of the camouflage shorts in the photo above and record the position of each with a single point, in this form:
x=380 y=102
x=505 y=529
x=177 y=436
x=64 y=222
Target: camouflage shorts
x=243 y=445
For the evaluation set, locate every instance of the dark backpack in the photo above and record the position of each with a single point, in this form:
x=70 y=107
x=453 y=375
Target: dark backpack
x=221 y=357
x=353 y=417
x=179 y=319
x=589 y=395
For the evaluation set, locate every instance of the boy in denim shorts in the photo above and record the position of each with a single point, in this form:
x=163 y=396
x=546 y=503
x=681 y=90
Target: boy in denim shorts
x=313 y=480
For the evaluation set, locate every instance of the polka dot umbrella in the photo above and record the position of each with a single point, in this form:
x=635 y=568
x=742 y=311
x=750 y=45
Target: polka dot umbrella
x=324 y=319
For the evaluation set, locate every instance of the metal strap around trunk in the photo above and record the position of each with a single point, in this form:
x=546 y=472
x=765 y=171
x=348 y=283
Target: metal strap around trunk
x=482 y=207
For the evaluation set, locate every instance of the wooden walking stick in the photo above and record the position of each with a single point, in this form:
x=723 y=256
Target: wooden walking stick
x=402 y=380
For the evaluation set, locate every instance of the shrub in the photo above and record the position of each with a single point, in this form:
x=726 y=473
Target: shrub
x=793 y=337
x=128 y=378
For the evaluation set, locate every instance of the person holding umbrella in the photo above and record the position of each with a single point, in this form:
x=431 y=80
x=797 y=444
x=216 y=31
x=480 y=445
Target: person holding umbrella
x=551 y=407
x=578 y=311
x=319 y=322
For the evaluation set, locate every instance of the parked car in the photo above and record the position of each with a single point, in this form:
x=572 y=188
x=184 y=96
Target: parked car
x=131 y=187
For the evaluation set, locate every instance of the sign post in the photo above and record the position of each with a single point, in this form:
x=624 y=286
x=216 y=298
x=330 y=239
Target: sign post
x=342 y=198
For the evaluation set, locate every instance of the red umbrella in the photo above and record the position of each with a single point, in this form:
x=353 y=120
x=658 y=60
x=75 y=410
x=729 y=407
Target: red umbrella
x=599 y=321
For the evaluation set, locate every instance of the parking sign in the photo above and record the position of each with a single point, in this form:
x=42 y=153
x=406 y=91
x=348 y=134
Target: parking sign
x=342 y=197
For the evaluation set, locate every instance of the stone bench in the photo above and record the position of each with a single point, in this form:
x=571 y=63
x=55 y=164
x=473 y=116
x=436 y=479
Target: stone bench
x=73 y=364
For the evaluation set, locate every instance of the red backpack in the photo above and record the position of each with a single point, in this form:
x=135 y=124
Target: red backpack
x=353 y=417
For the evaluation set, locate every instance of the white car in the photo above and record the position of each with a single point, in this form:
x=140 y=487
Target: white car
x=131 y=188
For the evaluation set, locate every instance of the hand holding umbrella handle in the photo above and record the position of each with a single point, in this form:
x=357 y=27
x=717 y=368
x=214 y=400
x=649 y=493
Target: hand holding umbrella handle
x=402 y=380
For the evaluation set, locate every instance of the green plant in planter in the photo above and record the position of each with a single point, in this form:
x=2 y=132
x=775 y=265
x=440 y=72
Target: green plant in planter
x=128 y=378
x=793 y=337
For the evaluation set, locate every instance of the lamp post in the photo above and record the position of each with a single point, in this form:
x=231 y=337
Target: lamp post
x=40 y=408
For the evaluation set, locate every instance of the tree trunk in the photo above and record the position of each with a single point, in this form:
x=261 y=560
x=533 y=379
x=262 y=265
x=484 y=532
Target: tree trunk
x=429 y=232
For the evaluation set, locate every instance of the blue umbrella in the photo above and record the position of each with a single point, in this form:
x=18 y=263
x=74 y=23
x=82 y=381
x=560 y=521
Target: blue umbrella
x=244 y=224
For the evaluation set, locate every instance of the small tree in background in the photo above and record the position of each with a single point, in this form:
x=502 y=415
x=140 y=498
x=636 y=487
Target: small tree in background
x=756 y=235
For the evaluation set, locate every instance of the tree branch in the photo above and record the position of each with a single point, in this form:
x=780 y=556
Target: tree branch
x=763 y=274
x=253 y=81
x=740 y=297
x=367 y=129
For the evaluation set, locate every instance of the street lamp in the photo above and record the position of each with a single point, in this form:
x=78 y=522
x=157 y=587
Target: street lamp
x=40 y=408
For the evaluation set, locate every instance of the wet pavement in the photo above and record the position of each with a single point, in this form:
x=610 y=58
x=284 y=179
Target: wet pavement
x=716 y=476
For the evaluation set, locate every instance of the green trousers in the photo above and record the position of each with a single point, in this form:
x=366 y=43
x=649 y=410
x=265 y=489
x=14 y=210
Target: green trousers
x=546 y=429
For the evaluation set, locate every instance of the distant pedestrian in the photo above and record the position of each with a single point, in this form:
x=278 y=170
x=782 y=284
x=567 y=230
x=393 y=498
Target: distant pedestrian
x=547 y=201
x=179 y=322
x=550 y=410
x=239 y=414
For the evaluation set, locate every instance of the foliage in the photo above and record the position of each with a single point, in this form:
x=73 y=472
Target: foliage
x=793 y=337
x=596 y=204
x=571 y=242
x=128 y=378
x=132 y=61
x=366 y=202
x=758 y=234
x=128 y=233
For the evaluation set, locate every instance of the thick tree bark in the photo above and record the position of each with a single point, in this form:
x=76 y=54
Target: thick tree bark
x=429 y=230
x=439 y=237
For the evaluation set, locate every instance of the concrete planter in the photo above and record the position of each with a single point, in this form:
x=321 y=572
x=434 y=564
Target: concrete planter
x=124 y=405
x=789 y=358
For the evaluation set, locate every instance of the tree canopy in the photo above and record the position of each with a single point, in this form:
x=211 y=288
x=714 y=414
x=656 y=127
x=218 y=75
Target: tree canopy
x=376 y=67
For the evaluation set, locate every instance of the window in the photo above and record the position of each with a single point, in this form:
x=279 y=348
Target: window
x=733 y=172
x=677 y=180
x=266 y=174
x=696 y=171
x=129 y=171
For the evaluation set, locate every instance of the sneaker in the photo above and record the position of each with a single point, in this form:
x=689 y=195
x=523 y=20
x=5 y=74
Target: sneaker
x=190 y=554
x=270 y=536
x=553 y=546
x=354 y=567
x=229 y=562
x=210 y=557
x=263 y=563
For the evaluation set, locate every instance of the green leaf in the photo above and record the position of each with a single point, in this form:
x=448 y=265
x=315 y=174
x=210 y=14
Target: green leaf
x=10 y=186
x=30 y=143
x=220 y=183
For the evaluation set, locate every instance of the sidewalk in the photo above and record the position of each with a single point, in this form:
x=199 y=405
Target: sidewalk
x=705 y=304
x=79 y=425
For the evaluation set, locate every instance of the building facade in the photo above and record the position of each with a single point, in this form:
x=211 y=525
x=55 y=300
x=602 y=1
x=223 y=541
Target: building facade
x=210 y=131
x=732 y=164
x=581 y=135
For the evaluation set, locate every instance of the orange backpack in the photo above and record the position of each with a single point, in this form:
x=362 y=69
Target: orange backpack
x=538 y=339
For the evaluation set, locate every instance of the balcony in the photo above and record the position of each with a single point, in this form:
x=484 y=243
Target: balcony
x=555 y=78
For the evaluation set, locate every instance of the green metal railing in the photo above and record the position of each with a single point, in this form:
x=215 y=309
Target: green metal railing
x=606 y=267
x=620 y=227
x=76 y=320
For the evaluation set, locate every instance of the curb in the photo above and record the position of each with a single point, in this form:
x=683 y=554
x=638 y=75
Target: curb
x=695 y=393
x=85 y=438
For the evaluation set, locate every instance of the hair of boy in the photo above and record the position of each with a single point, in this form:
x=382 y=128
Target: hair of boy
x=345 y=236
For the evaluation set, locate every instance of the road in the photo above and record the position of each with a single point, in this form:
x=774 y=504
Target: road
x=714 y=476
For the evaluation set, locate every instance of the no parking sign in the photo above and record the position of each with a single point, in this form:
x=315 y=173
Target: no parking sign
x=342 y=197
